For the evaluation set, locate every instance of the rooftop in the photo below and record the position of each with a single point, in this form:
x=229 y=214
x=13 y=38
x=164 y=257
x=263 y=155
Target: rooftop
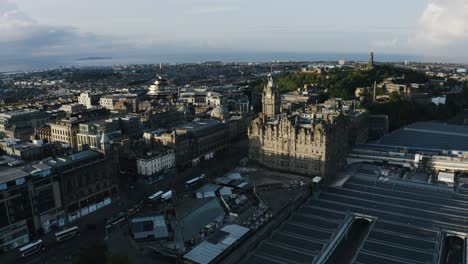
x=199 y=125
x=428 y=135
x=157 y=132
x=11 y=174
x=216 y=244
x=18 y=112
x=18 y=144
x=150 y=225
x=195 y=214
x=79 y=156
x=119 y=96
x=410 y=222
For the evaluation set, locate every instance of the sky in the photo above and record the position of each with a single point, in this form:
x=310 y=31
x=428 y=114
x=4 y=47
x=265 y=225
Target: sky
x=46 y=29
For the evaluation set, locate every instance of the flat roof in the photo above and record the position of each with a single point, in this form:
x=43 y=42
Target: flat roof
x=157 y=132
x=408 y=223
x=209 y=187
x=199 y=125
x=439 y=127
x=72 y=158
x=18 y=144
x=150 y=224
x=11 y=174
x=207 y=251
x=429 y=135
x=18 y=112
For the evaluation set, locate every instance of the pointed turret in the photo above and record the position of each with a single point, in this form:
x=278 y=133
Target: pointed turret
x=105 y=142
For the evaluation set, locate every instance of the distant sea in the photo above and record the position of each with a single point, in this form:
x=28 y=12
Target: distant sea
x=43 y=63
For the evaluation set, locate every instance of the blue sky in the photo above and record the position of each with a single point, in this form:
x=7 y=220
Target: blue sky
x=44 y=28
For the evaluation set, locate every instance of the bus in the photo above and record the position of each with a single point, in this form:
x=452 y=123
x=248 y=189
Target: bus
x=31 y=248
x=167 y=195
x=120 y=217
x=67 y=233
x=155 y=196
x=194 y=181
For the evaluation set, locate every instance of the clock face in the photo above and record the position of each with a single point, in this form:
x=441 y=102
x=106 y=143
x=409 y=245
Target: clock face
x=268 y=96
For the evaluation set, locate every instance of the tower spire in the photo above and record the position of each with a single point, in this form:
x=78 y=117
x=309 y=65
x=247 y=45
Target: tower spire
x=271 y=82
x=104 y=140
x=371 y=59
x=271 y=99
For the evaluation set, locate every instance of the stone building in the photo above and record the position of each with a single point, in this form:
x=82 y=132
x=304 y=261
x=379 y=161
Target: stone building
x=30 y=201
x=166 y=115
x=91 y=114
x=21 y=123
x=65 y=131
x=89 y=99
x=43 y=196
x=415 y=92
x=156 y=165
x=90 y=133
x=44 y=133
x=88 y=182
x=357 y=118
x=27 y=151
x=237 y=123
x=194 y=141
x=73 y=108
x=120 y=102
x=312 y=142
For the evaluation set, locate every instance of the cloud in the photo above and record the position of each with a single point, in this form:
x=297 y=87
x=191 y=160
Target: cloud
x=22 y=36
x=442 y=23
x=14 y=25
x=23 y=39
x=386 y=43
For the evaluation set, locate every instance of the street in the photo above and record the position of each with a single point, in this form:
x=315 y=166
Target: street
x=65 y=251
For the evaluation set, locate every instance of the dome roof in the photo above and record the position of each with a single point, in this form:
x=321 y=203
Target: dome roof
x=220 y=112
x=160 y=81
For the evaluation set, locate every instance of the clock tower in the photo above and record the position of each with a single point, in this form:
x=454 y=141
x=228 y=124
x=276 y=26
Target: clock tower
x=271 y=99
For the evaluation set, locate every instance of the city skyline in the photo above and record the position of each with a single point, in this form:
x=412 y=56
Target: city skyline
x=41 y=30
x=233 y=131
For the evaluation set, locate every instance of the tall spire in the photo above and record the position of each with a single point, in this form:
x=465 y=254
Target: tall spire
x=271 y=82
x=104 y=140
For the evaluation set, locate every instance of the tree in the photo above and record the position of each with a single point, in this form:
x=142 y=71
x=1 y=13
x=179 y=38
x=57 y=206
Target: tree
x=403 y=112
x=395 y=96
x=292 y=81
x=342 y=83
